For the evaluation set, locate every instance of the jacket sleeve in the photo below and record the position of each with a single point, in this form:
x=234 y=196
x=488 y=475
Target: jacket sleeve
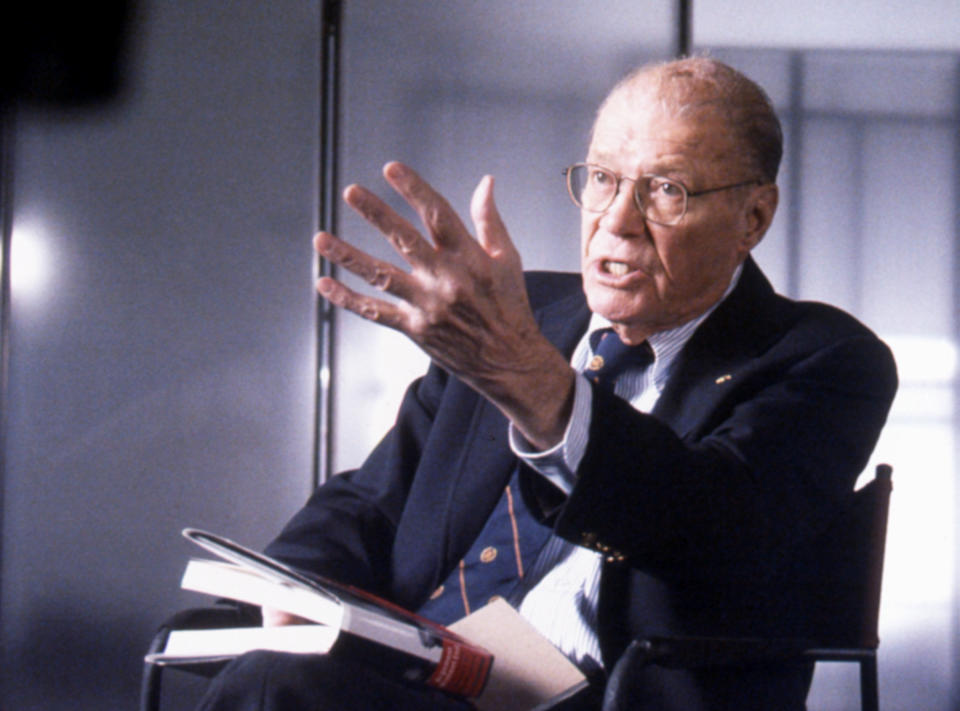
x=347 y=527
x=762 y=472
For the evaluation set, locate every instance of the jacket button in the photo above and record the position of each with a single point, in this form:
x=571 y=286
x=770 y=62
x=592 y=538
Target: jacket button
x=488 y=554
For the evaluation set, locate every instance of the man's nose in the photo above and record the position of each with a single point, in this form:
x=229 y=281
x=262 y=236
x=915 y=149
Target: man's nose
x=623 y=217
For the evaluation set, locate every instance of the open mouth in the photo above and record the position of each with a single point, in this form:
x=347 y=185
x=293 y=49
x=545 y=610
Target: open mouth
x=617 y=269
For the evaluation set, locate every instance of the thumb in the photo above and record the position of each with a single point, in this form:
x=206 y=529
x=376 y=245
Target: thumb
x=491 y=232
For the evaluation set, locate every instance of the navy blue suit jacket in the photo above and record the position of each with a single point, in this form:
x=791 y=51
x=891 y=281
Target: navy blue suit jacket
x=771 y=412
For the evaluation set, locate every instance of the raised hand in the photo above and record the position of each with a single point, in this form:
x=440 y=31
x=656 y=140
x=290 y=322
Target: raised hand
x=463 y=300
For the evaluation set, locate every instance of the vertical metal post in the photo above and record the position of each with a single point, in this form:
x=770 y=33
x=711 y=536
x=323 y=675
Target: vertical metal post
x=684 y=28
x=6 y=226
x=331 y=19
x=955 y=622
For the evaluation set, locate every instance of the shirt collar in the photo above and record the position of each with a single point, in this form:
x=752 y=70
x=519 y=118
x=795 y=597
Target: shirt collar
x=667 y=344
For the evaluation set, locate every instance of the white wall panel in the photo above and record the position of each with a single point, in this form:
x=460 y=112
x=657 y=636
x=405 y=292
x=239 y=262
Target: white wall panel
x=162 y=324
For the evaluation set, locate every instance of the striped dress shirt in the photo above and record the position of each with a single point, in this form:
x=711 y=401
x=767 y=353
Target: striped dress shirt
x=559 y=594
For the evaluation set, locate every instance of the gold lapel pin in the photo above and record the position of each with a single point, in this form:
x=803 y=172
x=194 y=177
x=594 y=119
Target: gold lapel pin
x=723 y=378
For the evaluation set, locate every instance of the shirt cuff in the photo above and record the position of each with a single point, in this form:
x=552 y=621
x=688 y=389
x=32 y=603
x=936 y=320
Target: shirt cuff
x=559 y=463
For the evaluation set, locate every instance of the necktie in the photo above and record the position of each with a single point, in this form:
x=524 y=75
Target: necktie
x=512 y=538
x=612 y=356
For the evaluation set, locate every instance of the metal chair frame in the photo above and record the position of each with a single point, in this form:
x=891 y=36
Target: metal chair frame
x=848 y=627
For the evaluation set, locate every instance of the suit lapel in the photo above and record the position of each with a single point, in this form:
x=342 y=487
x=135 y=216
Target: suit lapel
x=487 y=462
x=563 y=323
x=738 y=330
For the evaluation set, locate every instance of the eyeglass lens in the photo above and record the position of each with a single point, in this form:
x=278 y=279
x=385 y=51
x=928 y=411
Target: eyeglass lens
x=594 y=189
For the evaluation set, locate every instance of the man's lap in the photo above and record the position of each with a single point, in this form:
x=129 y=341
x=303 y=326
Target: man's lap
x=275 y=681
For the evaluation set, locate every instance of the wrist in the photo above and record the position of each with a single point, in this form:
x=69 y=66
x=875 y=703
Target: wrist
x=541 y=404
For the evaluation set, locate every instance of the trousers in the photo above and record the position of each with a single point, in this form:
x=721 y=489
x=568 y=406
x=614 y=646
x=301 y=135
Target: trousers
x=277 y=681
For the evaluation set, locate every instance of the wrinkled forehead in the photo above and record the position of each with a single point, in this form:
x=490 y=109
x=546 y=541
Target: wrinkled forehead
x=640 y=122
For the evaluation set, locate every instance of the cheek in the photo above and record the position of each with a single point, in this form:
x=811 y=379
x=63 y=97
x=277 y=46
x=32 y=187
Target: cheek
x=588 y=225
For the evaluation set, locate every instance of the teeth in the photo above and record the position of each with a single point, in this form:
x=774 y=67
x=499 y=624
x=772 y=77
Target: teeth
x=616 y=268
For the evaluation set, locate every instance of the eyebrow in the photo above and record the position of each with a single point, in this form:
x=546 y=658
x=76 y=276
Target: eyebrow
x=665 y=169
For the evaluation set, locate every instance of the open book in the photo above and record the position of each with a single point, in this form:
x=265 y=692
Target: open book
x=348 y=621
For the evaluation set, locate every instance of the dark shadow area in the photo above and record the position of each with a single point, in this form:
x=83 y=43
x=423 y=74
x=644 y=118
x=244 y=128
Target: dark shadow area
x=61 y=53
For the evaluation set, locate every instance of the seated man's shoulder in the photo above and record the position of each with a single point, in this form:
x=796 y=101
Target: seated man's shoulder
x=830 y=322
x=819 y=328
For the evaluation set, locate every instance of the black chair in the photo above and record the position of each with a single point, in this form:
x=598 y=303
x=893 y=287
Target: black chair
x=844 y=609
x=844 y=613
x=225 y=613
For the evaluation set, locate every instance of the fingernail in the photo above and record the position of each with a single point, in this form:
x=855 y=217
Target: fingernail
x=393 y=169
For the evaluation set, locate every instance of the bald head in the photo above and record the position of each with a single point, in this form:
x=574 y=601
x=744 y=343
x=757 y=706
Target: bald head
x=687 y=87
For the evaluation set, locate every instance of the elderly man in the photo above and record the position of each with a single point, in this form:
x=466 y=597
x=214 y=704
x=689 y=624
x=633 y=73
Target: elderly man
x=663 y=431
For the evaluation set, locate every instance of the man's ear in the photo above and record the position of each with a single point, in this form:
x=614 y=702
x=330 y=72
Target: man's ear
x=759 y=210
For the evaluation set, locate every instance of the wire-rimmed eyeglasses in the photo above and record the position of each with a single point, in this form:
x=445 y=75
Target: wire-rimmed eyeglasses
x=660 y=200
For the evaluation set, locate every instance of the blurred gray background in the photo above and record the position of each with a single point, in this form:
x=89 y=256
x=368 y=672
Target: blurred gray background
x=161 y=342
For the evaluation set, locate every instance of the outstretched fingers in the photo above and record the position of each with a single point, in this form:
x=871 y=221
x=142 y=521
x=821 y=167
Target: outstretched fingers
x=441 y=220
x=378 y=310
x=379 y=274
x=491 y=232
x=399 y=232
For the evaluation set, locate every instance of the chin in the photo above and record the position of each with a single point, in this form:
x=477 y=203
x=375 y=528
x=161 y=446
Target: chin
x=613 y=306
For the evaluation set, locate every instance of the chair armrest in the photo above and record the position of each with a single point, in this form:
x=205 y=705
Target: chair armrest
x=693 y=653
x=222 y=614
x=700 y=652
